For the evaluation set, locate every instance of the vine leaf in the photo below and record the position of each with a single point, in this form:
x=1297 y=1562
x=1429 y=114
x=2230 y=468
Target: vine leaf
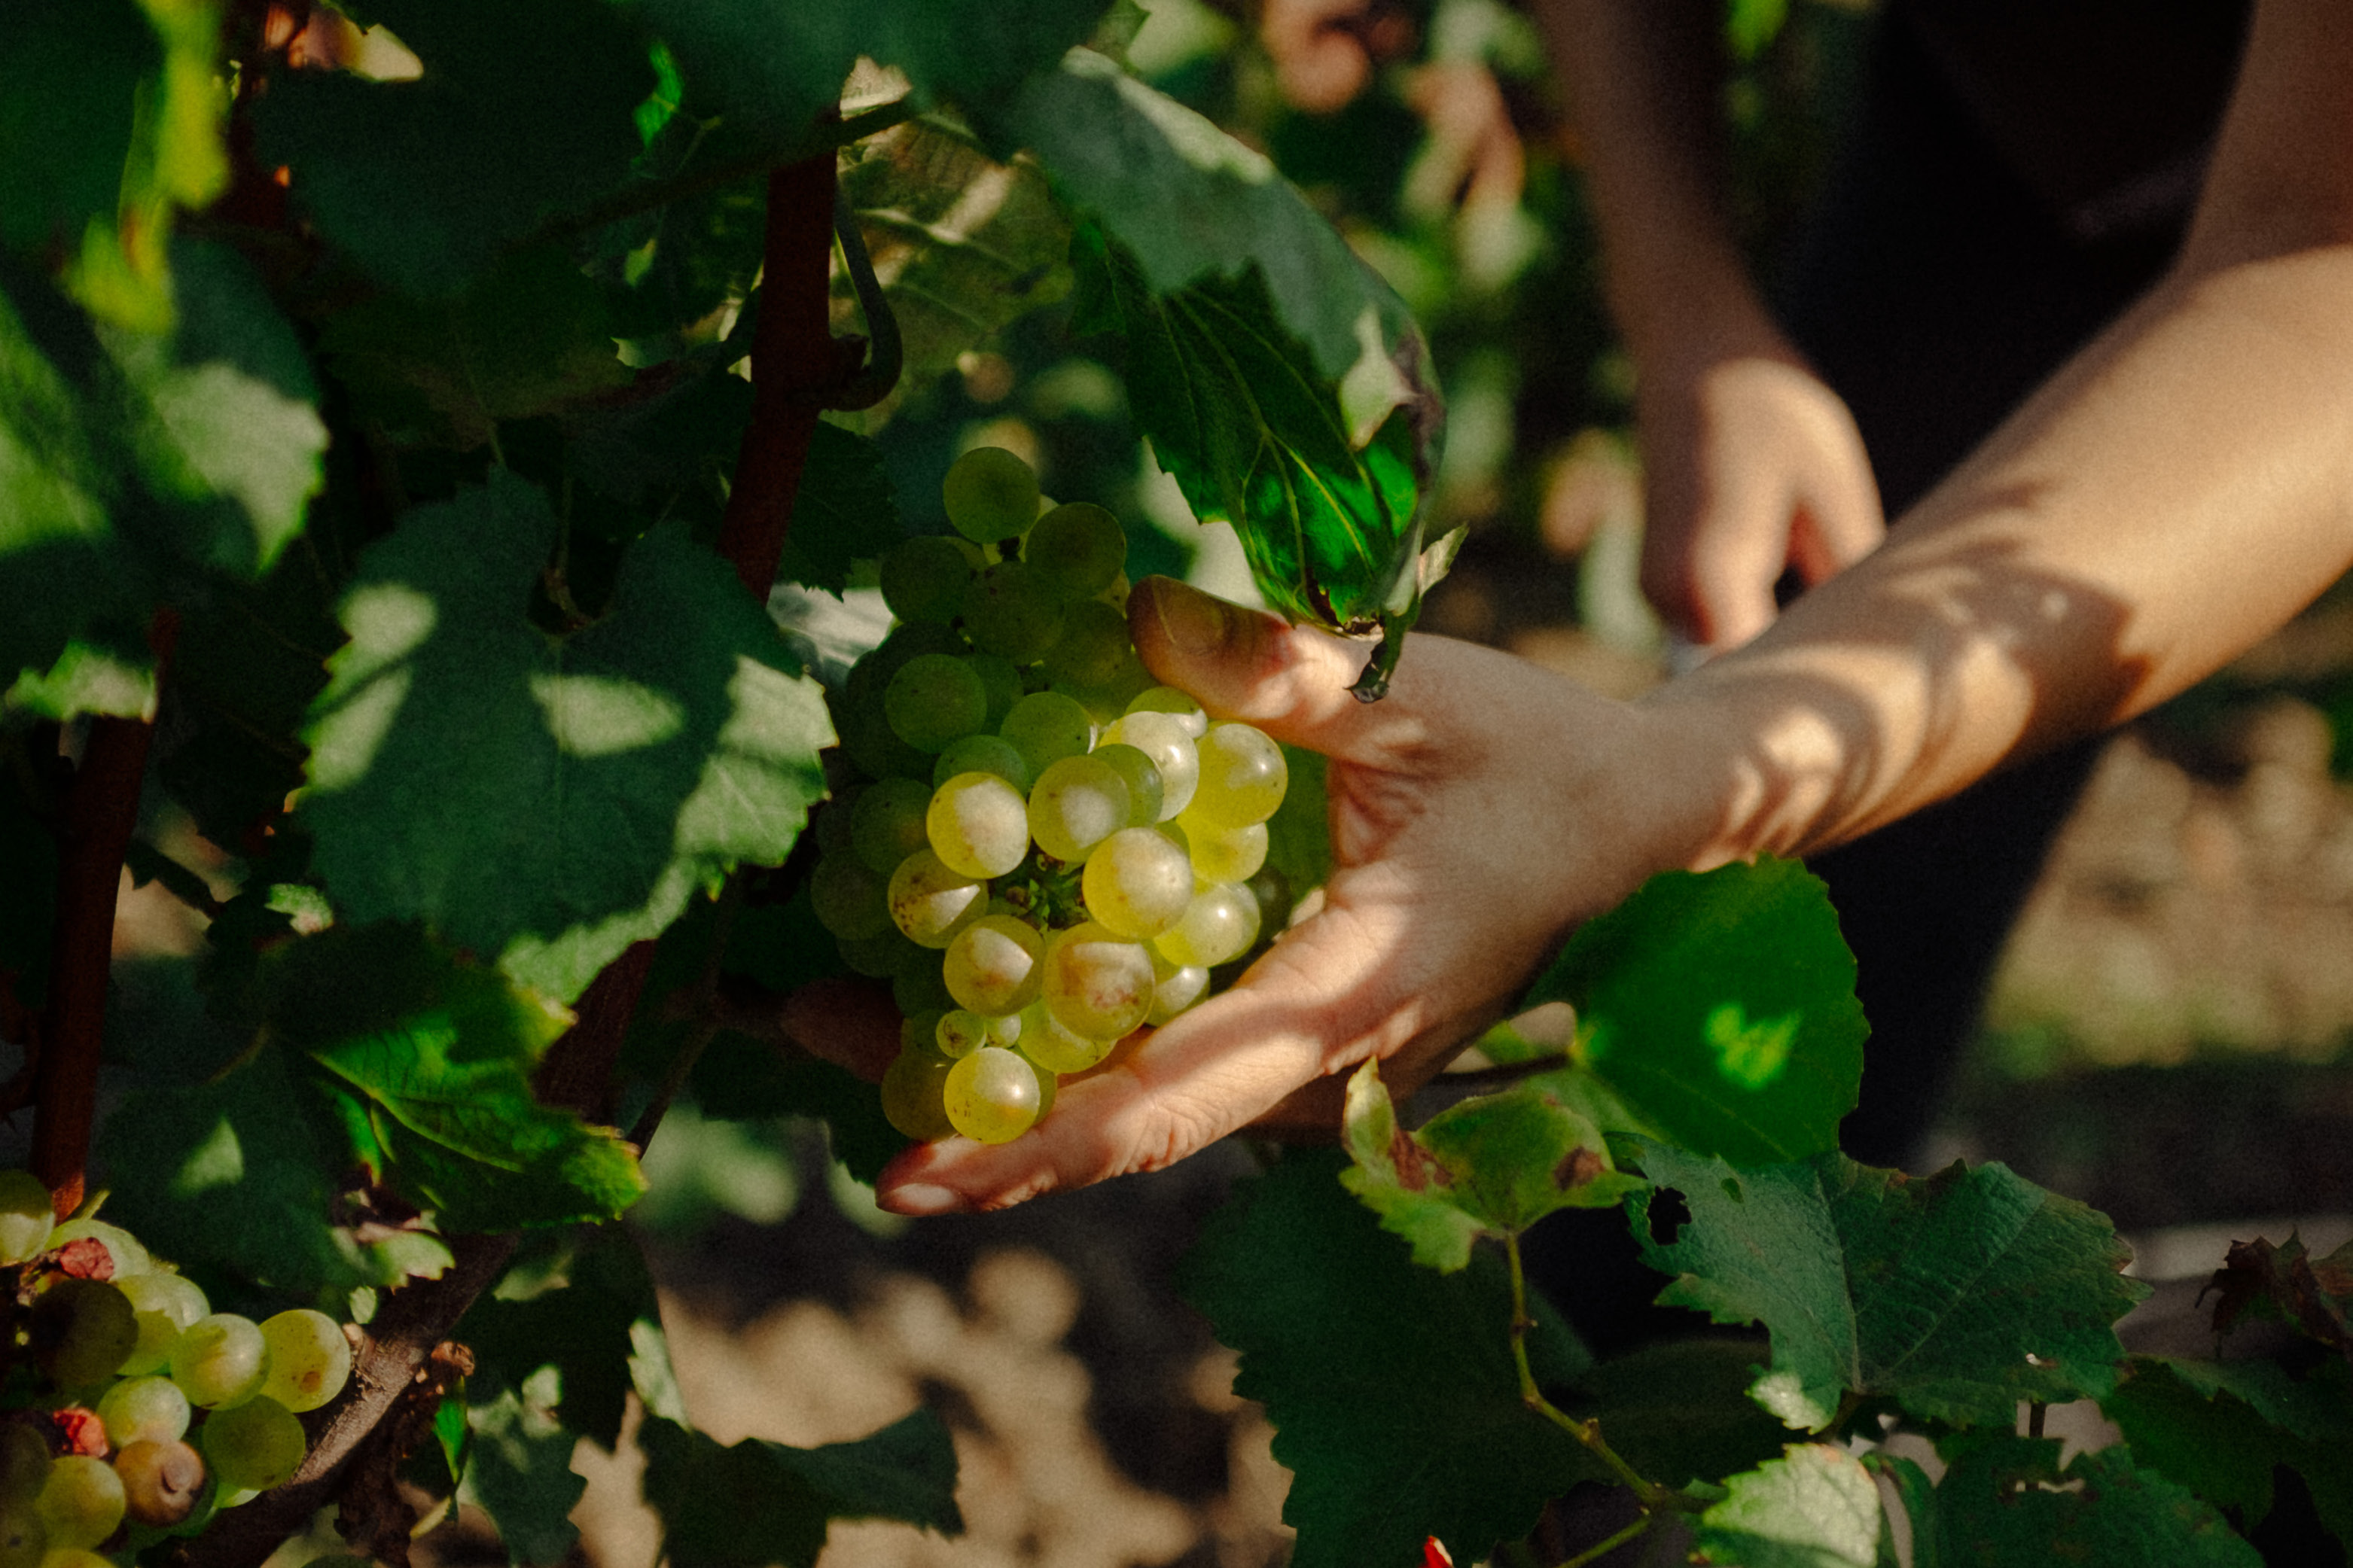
x=548 y=800
x=402 y=174
x=1392 y=1390
x=2005 y=1499
x=429 y=1061
x=1716 y=1011
x=756 y=1504
x=2221 y=1429
x=845 y=509
x=519 y=1469
x=1958 y=1294
x=773 y=65
x=573 y=1306
x=126 y=457
x=532 y=336
x=962 y=245
x=1815 y=1507
x=1674 y=1410
x=2286 y=1282
x=1492 y=1165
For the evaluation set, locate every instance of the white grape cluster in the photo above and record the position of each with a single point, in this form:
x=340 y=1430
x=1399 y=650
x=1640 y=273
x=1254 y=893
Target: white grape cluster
x=154 y=1403
x=1050 y=851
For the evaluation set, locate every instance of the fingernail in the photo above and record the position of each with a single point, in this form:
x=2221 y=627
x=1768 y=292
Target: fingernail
x=921 y=1200
x=1198 y=624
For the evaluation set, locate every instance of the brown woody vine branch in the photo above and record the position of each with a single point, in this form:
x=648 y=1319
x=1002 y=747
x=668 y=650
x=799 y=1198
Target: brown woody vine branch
x=101 y=810
x=794 y=362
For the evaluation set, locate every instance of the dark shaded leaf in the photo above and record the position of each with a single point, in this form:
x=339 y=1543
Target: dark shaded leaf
x=2005 y=1501
x=846 y=508
x=1959 y=1295
x=1391 y=1388
x=519 y=1469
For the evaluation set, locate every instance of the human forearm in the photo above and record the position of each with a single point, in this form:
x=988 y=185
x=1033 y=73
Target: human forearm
x=2176 y=492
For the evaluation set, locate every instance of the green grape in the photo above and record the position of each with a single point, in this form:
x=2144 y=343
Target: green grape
x=25 y=1217
x=161 y=1481
x=931 y=902
x=1094 y=651
x=1242 y=777
x=990 y=495
x=924 y=578
x=24 y=1541
x=130 y=1257
x=1097 y=983
x=1177 y=704
x=991 y=1096
x=1008 y=613
x=911 y=1095
x=24 y=1463
x=868 y=739
x=1175 y=987
x=1076 y=804
x=162 y=1304
x=1164 y=738
x=1046 y=727
x=1137 y=883
x=918 y=988
x=82 y=1502
x=877 y=957
x=1057 y=1048
x=871 y=675
x=220 y=1360
x=1219 y=925
x=1001 y=682
x=886 y=825
x=851 y=901
x=82 y=1332
x=920 y=1031
x=934 y=698
x=143 y=1409
x=978 y=825
x=1049 y=1086
x=992 y=966
x=310 y=1359
x=254 y=1446
x=1145 y=793
x=1077 y=551
x=1227 y=854
x=983 y=754
x=74 y=1557
x=960 y=1033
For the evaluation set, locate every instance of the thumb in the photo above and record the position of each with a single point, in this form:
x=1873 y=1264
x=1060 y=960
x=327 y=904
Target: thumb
x=1289 y=682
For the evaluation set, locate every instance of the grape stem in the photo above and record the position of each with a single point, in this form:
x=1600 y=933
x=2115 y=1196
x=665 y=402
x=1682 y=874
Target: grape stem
x=1651 y=1496
x=101 y=810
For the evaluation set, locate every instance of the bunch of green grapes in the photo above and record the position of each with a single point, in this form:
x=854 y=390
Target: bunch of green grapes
x=1049 y=851
x=153 y=1404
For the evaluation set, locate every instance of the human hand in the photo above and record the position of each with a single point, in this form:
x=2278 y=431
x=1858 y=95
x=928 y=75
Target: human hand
x=1479 y=812
x=1751 y=466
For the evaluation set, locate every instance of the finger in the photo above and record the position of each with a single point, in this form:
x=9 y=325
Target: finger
x=1327 y=994
x=1840 y=520
x=1291 y=681
x=1734 y=562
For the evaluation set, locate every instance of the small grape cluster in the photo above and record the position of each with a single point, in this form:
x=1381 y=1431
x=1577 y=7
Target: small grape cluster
x=149 y=1404
x=1051 y=851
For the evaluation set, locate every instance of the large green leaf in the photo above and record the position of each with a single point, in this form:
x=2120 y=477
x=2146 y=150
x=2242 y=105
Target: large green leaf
x=2005 y=1501
x=1716 y=1011
x=757 y=1503
x=1815 y=1507
x=1391 y=1388
x=1492 y=1165
x=1959 y=1295
x=531 y=336
x=130 y=461
x=430 y=1060
x=571 y=1304
x=70 y=74
x=775 y=65
x=1255 y=435
x=525 y=113
x=549 y=800
x=2223 y=1428
x=845 y=510
x=1674 y=1410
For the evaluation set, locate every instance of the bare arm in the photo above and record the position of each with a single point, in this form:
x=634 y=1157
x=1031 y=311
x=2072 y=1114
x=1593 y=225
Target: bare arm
x=1751 y=464
x=2184 y=486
